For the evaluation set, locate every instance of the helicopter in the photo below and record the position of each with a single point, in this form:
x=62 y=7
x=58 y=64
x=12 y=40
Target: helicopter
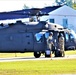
x=31 y=37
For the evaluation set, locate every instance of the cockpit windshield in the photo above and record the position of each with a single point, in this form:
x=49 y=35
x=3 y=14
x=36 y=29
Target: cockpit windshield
x=72 y=35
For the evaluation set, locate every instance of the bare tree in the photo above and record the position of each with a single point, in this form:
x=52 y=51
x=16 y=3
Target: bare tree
x=25 y=6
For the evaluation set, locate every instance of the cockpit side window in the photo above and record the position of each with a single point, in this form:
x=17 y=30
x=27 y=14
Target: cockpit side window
x=72 y=35
x=46 y=35
x=67 y=37
x=39 y=37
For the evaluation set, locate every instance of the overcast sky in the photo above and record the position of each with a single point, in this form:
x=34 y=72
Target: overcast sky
x=10 y=5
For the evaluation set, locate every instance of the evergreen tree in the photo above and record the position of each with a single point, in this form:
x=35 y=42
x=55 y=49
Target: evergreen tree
x=74 y=4
x=70 y=3
x=67 y=2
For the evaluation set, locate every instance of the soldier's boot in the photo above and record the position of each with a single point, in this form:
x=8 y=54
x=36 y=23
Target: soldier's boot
x=63 y=54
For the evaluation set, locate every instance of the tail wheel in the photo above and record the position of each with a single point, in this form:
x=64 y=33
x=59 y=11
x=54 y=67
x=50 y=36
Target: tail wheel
x=37 y=54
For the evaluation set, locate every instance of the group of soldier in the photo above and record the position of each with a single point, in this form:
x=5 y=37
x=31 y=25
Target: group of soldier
x=50 y=43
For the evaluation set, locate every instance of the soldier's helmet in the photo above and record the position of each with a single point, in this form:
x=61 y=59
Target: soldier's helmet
x=51 y=33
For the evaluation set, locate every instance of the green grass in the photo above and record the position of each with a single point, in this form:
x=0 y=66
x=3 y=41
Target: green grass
x=72 y=52
x=3 y=55
x=40 y=67
x=6 y=55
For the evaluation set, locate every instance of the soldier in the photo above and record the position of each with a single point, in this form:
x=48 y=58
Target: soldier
x=61 y=45
x=50 y=41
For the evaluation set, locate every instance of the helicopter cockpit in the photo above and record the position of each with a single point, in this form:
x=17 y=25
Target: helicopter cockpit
x=70 y=40
x=72 y=35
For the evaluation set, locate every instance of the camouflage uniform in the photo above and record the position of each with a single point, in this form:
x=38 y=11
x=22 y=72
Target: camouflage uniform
x=61 y=45
x=49 y=42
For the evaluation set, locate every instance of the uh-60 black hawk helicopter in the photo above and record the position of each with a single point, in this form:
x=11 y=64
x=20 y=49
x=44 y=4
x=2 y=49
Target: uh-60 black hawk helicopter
x=31 y=37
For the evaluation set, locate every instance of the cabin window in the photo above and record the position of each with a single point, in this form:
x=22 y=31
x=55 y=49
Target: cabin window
x=39 y=37
x=51 y=20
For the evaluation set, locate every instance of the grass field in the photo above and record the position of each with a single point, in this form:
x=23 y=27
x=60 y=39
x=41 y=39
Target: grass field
x=40 y=67
x=3 y=55
x=70 y=52
x=6 y=55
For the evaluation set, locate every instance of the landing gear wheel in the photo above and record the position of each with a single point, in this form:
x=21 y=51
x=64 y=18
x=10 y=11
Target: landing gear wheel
x=63 y=53
x=47 y=53
x=58 y=53
x=37 y=54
